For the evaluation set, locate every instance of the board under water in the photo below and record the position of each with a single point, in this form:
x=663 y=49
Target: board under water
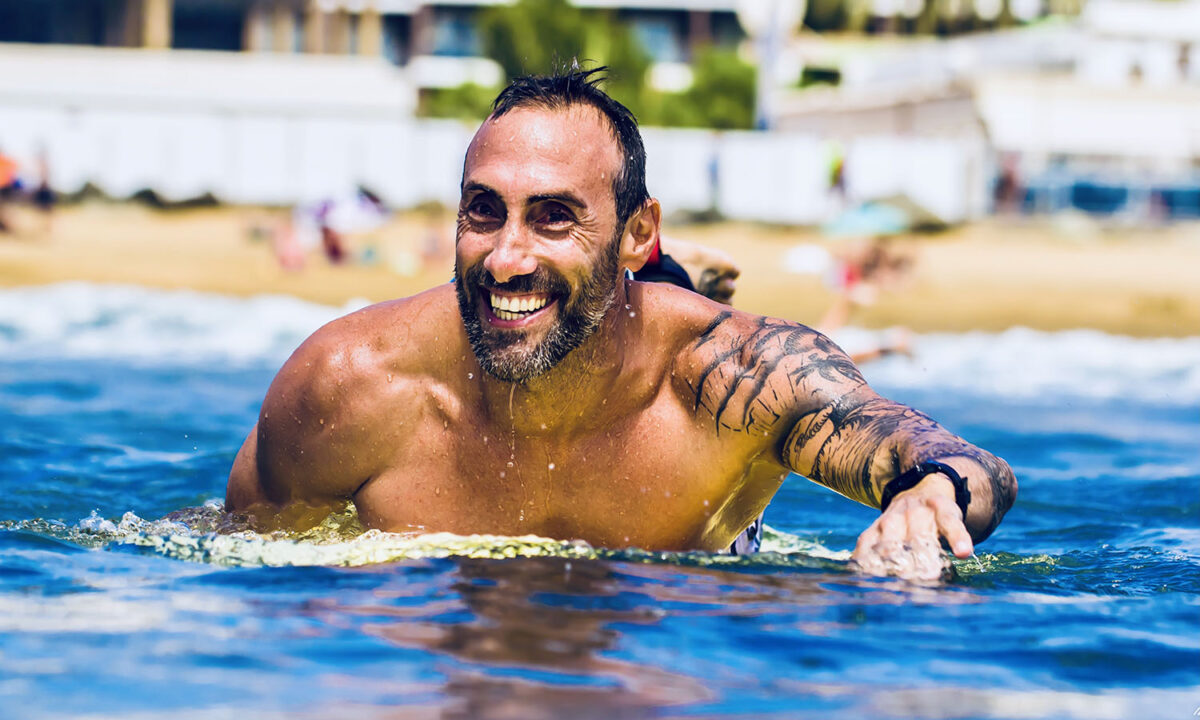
x=120 y=407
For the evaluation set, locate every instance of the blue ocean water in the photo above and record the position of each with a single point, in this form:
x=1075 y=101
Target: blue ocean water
x=121 y=405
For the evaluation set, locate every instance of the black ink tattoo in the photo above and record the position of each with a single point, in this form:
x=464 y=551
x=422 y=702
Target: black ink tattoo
x=779 y=379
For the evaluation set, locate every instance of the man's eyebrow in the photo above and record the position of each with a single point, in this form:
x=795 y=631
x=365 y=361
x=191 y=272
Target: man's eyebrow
x=565 y=197
x=474 y=186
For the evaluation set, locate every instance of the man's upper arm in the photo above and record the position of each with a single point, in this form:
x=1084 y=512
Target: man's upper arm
x=245 y=489
x=299 y=461
x=758 y=376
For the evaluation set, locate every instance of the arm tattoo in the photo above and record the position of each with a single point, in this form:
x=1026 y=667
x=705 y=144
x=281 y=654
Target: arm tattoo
x=784 y=380
x=750 y=381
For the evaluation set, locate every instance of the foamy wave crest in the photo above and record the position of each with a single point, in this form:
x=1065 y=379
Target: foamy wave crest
x=84 y=321
x=1024 y=363
x=207 y=534
x=87 y=321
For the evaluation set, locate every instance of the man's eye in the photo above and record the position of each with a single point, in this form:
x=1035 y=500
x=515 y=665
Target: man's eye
x=556 y=216
x=481 y=210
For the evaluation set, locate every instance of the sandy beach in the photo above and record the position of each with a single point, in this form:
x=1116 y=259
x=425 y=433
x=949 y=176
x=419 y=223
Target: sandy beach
x=1048 y=275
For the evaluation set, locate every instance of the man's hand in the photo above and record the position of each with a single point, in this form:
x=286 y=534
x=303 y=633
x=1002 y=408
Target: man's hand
x=904 y=540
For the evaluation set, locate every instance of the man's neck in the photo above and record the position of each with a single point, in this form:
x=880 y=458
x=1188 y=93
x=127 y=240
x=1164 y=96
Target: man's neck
x=577 y=392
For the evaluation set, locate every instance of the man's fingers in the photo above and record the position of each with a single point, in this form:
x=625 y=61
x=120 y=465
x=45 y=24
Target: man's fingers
x=921 y=522
x=866 y=541
x=950 y=526
x=893 y=526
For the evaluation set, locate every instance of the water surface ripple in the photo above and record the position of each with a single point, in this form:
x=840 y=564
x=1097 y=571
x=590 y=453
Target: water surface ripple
x=1086 y=603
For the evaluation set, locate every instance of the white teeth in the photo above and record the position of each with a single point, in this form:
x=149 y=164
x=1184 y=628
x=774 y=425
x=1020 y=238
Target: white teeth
x=509 y=308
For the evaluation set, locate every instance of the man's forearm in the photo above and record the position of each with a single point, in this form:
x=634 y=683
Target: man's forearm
x=857 y=447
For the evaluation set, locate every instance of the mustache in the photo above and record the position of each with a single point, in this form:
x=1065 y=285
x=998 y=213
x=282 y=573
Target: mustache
x=539 y=281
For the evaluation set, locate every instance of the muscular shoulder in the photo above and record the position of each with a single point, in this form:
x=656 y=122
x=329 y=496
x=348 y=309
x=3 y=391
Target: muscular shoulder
x=328 y=400
x=749 y=373
x=393 y=339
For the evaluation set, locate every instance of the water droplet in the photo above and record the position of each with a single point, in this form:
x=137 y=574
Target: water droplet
x=437 y=491
x=626 y=538
x=322 y=421
x=550 y=466
x=632 y=314
x=510 y=463
x=470 y=376
x=389 y=377
x=502 y=473
x=705 y=503
x=543 y=426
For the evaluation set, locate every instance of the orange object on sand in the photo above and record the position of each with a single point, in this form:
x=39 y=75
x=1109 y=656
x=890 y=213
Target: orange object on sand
x=8 y=171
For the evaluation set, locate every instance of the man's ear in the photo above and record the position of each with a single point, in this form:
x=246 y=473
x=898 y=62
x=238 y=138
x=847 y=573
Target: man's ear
x=641 y=235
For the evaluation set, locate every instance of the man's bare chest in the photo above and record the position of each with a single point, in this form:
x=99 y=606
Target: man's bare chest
x=658 y=479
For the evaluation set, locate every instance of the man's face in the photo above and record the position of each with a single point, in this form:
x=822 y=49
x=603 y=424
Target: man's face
x=537 y=261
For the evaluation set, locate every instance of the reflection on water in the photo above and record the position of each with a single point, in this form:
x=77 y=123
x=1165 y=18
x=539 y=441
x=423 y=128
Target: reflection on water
x=1083 y=605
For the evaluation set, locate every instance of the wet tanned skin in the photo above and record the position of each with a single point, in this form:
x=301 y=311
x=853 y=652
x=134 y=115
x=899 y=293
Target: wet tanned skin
x=669 y=428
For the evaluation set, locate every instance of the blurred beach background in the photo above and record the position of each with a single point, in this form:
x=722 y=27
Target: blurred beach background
x=1002 y=196
x=1036 y=163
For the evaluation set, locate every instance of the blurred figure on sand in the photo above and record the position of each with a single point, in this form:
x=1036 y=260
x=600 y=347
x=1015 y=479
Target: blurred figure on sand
x=43 y=196
x=327 y=223
x=861 y=271
x=9 y=186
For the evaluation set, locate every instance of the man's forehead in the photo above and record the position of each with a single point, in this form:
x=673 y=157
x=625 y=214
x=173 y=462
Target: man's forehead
x=536 y=144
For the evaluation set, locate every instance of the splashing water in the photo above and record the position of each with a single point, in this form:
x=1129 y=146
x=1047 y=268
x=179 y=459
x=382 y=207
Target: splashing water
x=125 y=407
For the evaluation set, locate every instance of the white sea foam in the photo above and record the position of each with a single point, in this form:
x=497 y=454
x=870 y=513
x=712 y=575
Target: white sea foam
x=123 y=322
x=86 y=321
x=1026 y=363
x=205 y=534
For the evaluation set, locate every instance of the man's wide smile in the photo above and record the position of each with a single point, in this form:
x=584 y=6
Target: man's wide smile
x=512 y=311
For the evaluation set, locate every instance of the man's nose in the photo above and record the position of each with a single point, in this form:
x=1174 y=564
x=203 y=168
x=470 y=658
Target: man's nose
x=510 y=256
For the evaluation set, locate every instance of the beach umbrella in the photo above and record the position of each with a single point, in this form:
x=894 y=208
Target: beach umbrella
x=893 y=215
x=868 y=220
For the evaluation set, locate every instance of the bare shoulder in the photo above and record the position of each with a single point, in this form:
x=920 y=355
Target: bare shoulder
x=749 y=373
x=397 y=337
x=340 y=388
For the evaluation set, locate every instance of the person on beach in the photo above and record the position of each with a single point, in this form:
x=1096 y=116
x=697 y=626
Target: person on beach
x=545 y=392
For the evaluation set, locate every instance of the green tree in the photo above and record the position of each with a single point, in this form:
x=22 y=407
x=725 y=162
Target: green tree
x=544 y=36
x=722 y=92
x=533 y=36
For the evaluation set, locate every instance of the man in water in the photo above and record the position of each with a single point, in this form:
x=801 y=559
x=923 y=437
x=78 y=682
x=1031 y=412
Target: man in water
x=544 y=392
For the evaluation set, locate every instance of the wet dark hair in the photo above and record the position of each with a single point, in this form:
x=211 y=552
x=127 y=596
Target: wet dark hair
x=575 y=86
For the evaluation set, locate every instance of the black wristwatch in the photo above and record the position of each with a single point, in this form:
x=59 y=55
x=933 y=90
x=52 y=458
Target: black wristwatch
x=909 y=479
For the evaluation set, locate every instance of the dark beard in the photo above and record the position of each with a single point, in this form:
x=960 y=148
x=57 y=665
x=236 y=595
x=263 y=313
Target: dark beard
x=506 y=354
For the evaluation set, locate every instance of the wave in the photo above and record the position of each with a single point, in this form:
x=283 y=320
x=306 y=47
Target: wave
x=79 y=321
x=207 y=534
x=83 y=321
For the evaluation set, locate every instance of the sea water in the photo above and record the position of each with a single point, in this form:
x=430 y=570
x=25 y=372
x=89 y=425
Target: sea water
x=120 y=406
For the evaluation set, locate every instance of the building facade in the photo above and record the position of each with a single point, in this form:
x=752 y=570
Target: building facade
x=439 y=41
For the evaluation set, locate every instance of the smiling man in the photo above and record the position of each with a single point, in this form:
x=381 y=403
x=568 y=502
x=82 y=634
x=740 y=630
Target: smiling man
x=544 y=392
